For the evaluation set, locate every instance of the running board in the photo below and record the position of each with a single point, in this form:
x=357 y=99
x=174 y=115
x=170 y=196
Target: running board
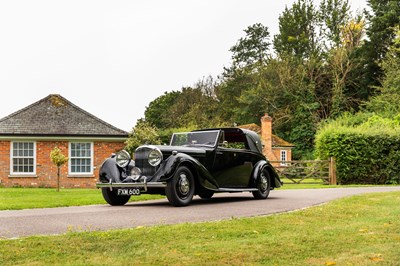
x=237 y=189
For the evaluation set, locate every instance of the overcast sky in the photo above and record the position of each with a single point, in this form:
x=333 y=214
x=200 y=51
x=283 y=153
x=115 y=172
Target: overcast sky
x=113 y=57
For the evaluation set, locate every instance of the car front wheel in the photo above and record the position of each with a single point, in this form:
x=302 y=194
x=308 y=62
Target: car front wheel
x=180 y=189
x=111 y=197
x=263 y=185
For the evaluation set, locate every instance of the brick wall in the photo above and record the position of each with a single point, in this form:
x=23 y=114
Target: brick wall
x=46 y=171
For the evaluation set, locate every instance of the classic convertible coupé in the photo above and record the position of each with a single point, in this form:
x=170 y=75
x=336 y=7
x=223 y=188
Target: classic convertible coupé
x=200 y=162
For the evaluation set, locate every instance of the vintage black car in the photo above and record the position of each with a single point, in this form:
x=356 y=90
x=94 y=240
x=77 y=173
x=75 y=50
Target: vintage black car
x=200 y=162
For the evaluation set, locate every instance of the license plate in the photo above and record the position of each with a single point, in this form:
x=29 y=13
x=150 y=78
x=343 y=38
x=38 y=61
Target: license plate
x=128 y=192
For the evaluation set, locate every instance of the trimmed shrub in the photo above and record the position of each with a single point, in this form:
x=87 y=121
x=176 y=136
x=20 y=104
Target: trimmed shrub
x=366 y=153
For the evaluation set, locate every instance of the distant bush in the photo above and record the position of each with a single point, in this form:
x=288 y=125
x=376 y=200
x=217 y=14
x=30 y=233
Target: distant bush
x=366 y=148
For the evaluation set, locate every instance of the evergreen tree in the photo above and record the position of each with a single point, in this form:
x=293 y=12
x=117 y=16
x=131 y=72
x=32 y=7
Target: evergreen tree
x=383 y=18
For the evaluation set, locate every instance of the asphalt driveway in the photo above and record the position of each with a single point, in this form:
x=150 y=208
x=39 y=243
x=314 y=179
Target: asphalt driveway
x=49 y=221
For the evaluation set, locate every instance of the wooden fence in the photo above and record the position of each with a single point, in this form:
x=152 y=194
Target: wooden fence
x=320 y=171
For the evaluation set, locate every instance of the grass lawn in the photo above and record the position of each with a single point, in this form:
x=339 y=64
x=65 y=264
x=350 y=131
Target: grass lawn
x=358 y=230
x=27 y=198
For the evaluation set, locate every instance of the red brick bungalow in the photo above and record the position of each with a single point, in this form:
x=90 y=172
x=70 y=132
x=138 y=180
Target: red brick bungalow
x=274 y=148
x=28 y=136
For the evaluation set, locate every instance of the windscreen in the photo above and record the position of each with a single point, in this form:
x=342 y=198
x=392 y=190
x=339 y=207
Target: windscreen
x=203 y=138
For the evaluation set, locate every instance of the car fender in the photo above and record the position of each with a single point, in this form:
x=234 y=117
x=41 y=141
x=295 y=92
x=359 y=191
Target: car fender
x=171 y=164
x=258 y=168
x=109 y=171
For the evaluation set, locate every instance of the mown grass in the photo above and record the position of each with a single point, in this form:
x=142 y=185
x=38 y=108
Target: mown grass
x=359 y=230
x=28 y=198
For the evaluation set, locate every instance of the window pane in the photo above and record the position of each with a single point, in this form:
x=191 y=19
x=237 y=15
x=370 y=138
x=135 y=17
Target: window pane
x=23 y=157
x=81 y=161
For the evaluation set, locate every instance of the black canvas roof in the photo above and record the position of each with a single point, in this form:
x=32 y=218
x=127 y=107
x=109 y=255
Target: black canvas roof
x=56 y=116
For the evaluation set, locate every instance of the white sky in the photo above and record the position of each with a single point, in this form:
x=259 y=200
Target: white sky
x=113 y=57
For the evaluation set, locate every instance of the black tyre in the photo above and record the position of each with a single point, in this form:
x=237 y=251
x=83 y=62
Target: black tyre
x=180 y=189
x=205 y=194
x=263 y=185
x=112 y=198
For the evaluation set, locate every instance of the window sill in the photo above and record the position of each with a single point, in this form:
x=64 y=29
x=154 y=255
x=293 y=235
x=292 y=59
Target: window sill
x=80 y=176
x=22 y=176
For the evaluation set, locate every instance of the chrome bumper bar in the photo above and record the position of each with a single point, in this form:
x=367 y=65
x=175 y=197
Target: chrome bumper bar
x=144 y=185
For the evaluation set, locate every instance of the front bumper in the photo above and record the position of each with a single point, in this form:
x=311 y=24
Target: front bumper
x=142 y=185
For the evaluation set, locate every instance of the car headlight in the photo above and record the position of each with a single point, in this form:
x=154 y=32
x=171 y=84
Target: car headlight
x=155 y=157
x=123 y=158
x=135 y=173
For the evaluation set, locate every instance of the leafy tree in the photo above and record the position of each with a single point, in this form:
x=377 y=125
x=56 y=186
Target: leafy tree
x=191 y=107
x=387 y=101
x=297 y=31
x=142 y=133
x=58 y=158
x=249 y=55
x=341 y=64
x=253 y=49
x=229 y=91
x=157 y=112
x=333 y=15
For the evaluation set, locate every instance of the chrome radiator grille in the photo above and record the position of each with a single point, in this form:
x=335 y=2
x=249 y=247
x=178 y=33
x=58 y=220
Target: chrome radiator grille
x=142 y=163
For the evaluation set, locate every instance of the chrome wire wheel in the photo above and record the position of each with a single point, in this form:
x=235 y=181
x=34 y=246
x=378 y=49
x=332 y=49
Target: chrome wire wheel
x=183 y=185
x=263 y=184
x=180 y=188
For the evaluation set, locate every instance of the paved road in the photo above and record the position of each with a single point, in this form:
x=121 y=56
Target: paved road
x=48 y=221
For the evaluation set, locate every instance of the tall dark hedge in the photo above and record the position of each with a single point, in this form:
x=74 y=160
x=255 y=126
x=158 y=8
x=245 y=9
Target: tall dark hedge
x=363 y=155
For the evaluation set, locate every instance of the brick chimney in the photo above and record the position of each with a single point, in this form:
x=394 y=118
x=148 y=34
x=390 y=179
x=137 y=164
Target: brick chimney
x=266 y=135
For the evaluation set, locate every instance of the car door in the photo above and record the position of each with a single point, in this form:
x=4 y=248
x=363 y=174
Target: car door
x=232 y=167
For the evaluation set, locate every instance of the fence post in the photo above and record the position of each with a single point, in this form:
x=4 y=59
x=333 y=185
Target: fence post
x=332 y=171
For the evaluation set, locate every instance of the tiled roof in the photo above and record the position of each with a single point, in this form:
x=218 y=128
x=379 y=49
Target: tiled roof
x=276 y=141
x=56 y=116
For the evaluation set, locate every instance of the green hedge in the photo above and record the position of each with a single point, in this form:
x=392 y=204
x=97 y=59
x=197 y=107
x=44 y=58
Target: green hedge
x=366 y=153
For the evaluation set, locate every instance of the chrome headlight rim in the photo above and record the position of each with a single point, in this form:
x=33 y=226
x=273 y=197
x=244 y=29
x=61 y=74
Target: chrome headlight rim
x=122 y=158
x=135 y=173
x=155 y=157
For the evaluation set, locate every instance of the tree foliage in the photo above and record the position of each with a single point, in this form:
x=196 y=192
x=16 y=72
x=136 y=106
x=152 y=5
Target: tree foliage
x=333 y=16
x=253 y=48
x=58 y=158
x=387 y=101
x=297 y=30
x=156 y=113
x=383 y=17
x=142 y=133
x=317 y=67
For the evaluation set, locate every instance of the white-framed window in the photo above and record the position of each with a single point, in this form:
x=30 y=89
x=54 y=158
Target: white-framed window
x=284 y=154
x=80 y=158
x=23 y=158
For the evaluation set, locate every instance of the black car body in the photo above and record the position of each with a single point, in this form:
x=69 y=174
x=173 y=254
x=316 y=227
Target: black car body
x=200 y=162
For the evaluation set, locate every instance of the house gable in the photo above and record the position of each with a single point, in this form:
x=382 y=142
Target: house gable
x=56 y=116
